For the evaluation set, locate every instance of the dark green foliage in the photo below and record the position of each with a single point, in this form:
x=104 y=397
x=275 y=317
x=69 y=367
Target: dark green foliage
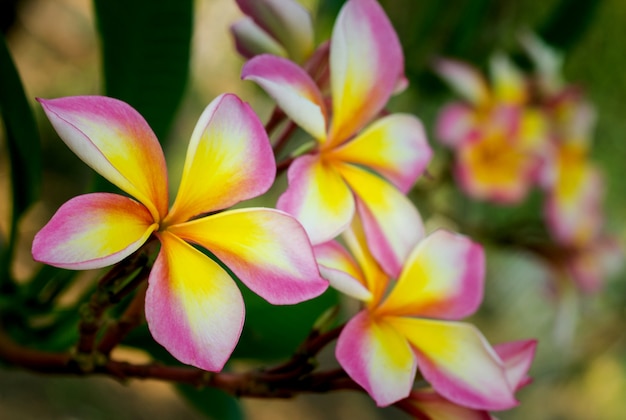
x=24 y=150
x=145 y=50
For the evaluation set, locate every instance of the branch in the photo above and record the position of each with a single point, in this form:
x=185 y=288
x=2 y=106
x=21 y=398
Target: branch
x=131 y=318
x=255 y=383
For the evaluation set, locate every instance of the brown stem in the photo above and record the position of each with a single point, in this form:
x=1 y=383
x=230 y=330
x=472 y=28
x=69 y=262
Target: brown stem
x=131 y=318
x=277 y=117
x=283 y=165
x=105 y=296
x=281 y=142
x=300 y=362
x=91 y=319
x=245 y=384
x=39 y=361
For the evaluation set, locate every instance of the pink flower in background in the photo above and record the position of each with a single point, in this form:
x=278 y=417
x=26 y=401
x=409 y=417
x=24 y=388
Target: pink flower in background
x=428 y=404
x=358 y=162
x=412 y=323
x=498 y=140
x=499 y=161
x=193 y=307
x=574 y=186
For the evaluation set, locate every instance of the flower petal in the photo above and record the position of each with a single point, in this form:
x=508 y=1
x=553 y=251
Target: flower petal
x=229 y=159
x=267 y=249
x=442 y=278
x=93 y=231
x=251 y=40
x=458 y=362
x=509 y=86
x=293 y=90
x=193 y=308
x=287 y=21
x=426 y=402
x=455 y=124
x=377 y=357
x=573 y=205
x=112 y=138
x=394 y=146
x=318 y=197
x=339 y=268
x=517 y=357
x=366 y=63
x=392 y=224
x=546 y=60
x=464 y=80
x=376 y=280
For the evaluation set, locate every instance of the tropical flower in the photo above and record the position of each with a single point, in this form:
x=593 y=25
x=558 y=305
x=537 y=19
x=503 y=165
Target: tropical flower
x=279 y=27
x=352 y=166
x=428 y=404
x=193 y=308
x=415 y=325
x=574 y=186
x=498 y=140
x=573 y=208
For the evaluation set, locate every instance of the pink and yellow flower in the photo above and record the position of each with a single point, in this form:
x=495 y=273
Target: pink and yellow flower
x=358 y=163
x=428 y=404
x=574 y=186
x=499 y=141
x=415 y=324
x=193 y=308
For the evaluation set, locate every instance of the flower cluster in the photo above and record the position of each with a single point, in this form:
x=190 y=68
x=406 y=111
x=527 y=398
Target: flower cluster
x=352 y=180
x=349 y=182
x=523 y=131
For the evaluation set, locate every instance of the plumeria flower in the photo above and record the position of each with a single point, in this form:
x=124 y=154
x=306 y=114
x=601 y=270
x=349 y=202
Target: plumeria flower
x=500 y=161
x=279 y=27
x=414 y=323
x=428 y=404
x=193 y=308
x=507 y=88
x=499 y=141
x=574 y=186
x=574 y=200
x=357 y=163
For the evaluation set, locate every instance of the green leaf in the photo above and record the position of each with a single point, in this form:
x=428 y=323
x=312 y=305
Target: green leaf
x=23 y=147
x=212 y=402
x=568 y=22
x=273 y=332
x=146 y=49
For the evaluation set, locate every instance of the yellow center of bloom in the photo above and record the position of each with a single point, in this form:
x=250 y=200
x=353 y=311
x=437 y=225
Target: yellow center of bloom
x=495 y=160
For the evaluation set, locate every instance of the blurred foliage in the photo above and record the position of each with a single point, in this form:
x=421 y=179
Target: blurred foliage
x=146 y=52
x=24 y=154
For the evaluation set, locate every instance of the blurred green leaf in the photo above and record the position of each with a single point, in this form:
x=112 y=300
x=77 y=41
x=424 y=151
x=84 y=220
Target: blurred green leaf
x=273 y=332
x=212 y=402
x=23 y=147
x=568 y=22
x=146 y=50
x=45 y=286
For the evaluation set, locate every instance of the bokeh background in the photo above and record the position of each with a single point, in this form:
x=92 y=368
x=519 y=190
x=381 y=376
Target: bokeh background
x=580 y=368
